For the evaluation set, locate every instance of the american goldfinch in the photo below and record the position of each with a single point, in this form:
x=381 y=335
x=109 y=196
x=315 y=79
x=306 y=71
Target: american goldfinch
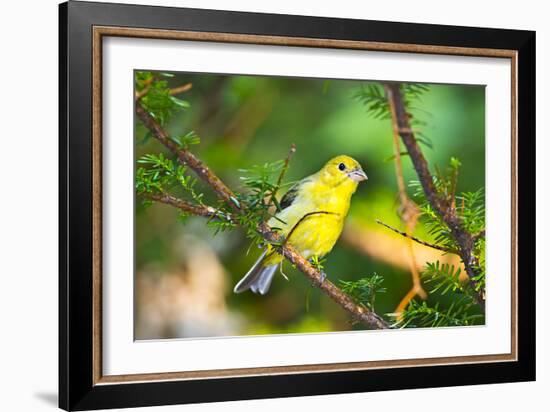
x=313 y=212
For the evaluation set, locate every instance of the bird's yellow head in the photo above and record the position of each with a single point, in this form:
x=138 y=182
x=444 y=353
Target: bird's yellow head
x=342 y=170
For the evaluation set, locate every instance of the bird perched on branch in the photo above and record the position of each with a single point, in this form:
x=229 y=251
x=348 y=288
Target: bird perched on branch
x=311 y=218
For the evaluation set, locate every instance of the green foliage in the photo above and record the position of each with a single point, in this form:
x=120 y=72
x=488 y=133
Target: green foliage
x=261 y=184
x=364 y=290
x=187 y=140
x=258 y=198
x=438 y=229
x=157 y=100
x=421 y=315
x=413 y=92
x=471 y=206
x=442 y=278
x=479 y=253
x=162 y=174
x=142 y=80
x=373 y=97
x=317 y=263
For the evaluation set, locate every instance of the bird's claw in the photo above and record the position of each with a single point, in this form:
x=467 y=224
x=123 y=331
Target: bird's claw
x=323 y=276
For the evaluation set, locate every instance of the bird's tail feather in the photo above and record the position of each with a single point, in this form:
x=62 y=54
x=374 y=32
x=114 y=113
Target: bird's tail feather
x=258 y=279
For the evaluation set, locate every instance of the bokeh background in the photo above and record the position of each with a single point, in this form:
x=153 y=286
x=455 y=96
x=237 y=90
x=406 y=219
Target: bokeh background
x=185 y=273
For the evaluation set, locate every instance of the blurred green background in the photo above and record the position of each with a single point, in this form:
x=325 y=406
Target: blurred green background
x=185 y=273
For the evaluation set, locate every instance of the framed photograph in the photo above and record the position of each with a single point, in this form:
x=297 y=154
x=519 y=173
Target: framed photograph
x=256 y=206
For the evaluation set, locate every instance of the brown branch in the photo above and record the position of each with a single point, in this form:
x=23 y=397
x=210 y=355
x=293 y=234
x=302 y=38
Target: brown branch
x=399 y=115
x=188 y=158
x=440 y=205
x=422 y=242
x=188 y=207
x=358 y=312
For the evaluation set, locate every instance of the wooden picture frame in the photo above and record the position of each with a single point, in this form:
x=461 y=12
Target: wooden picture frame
x=83 y=26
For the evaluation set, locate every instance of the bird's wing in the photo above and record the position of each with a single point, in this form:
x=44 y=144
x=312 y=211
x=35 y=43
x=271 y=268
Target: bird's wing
x=292 y=193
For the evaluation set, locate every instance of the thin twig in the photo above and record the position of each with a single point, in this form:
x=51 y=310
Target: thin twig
x=181 y=89
x=173 y=91
x=143 y=92
x=422 y=242
x=283 y=172
x=358 y=312
x=147 y=85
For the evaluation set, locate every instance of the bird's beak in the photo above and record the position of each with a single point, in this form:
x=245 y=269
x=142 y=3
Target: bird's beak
x=358 y=175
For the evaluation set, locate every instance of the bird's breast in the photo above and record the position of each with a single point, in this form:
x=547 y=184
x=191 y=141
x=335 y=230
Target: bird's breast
x=314 y=221
x=316 y=234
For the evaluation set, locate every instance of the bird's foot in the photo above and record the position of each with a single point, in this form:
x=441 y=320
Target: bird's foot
x=323 y=276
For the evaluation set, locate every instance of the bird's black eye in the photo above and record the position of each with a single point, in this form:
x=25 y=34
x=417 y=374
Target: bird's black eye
x=342 y=166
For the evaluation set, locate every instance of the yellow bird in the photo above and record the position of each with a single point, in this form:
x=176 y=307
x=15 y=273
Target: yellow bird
x=313 y=212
